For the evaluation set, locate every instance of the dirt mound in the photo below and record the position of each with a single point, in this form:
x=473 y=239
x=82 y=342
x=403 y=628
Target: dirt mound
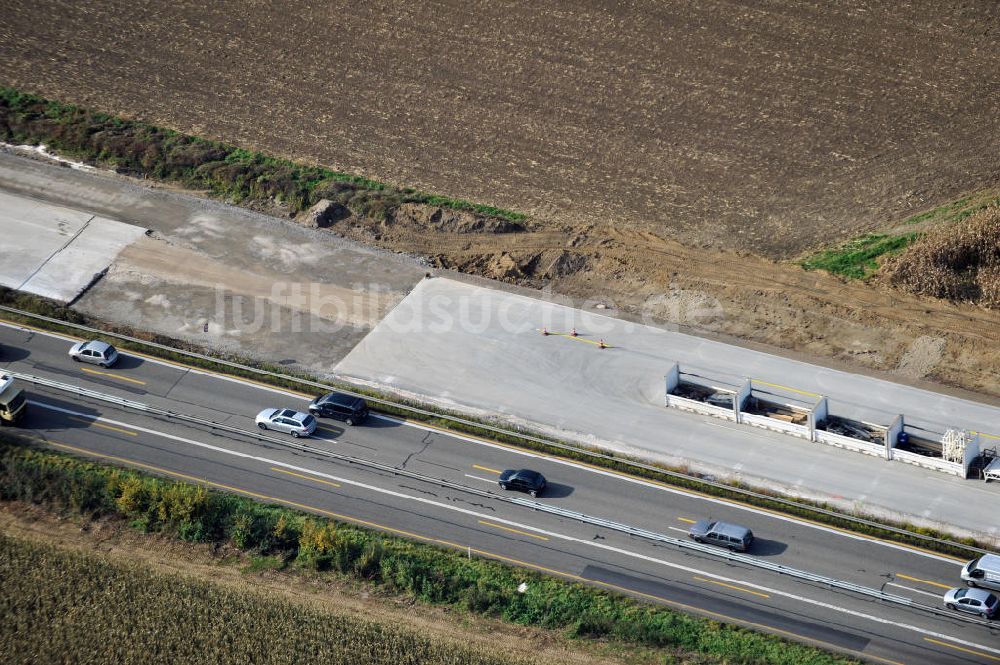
x=416 y=216
x=960 y=263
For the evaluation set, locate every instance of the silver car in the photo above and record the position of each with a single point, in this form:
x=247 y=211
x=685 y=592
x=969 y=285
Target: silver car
x=974 y=601
x=94 y=352
x=289 y=421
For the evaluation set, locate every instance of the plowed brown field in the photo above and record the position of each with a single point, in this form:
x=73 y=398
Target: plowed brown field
x=650 y=135
x=762 y=126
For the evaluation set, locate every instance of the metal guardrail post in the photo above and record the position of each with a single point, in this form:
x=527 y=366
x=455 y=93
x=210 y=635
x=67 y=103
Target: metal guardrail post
x=631 y=531
x=519 y=435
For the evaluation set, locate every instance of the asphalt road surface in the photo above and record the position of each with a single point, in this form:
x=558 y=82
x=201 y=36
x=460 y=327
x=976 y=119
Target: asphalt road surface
x=494 y=528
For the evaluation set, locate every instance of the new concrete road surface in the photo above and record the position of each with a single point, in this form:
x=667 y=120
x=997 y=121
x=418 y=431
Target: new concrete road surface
x=481 y=350
x=56 y=252
x=266 y=288
x=492 y=527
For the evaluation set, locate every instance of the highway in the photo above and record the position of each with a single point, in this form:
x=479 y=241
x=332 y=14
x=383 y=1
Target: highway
x=495 y=528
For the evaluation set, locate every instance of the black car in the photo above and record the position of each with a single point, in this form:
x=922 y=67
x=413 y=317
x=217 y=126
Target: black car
x=352 y=410
x=522 y=480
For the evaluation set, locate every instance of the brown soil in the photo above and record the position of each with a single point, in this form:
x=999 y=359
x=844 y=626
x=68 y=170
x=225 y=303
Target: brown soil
x=229 y=567
x=767 y=126
x=640 y=274
x=652 y=143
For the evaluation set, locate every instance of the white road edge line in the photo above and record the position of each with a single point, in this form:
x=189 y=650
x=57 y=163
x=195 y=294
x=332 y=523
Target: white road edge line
x=909 y=588
x=551 y=534
x=525 y=453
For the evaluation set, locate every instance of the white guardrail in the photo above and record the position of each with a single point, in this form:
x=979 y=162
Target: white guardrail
x=637 y=532
x=503 y=432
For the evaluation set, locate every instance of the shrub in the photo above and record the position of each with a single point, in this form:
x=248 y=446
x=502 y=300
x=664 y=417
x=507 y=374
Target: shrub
x=227 y=171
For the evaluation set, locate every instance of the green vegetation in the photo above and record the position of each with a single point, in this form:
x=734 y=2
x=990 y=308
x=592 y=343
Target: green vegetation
x=858 y=258
x=674 y=476
x=419 y=570
x=239 y=175
x=62 y=606
x=958 y=210
x=862 y=257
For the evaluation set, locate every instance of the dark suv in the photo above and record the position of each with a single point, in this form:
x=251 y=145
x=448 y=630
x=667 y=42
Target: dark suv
x=352 y=410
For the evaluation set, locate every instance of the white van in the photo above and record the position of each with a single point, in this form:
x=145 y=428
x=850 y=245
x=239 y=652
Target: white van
x=983 y=572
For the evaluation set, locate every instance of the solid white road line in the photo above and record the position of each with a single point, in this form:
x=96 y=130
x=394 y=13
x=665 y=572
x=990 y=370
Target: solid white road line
x=525 y=453
x=909 y=588
x=551 y=534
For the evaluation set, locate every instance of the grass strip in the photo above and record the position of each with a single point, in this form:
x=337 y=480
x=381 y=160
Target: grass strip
x=235 y=174
x=859 y=258
x=427 y=573
x=674 y=476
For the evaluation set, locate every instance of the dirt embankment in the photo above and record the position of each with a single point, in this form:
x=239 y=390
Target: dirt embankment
x=643 y=139
x=739 y=295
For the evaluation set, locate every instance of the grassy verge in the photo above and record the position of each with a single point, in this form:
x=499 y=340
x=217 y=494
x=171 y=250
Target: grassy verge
x=859 y=258
x=674 y=476
x=65 y=606
x=427 y=573
x=238 y=175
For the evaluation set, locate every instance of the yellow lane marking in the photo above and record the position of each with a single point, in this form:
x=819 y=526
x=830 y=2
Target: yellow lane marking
x=778 y=385
x=94 y=423
x=492 y=555
x=517 y=531
x=485 y=468
x=460 y=435
x=732 y=586
x=327 y=429
x=988 y=436
x=299 y=475
x=113 y=376
x=684 y=519
x=687 y=492
x=958 y=648
x=917 y=579
x=577 y=338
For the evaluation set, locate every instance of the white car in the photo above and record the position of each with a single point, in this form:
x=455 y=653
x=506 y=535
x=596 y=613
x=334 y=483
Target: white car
x=94 y=352
x=290 y=421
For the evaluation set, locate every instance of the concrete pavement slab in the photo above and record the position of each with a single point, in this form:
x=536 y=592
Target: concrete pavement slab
x=54 y=251
x=480 y=350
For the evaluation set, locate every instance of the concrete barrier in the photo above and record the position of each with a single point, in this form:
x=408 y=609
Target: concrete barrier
x=933 y=463
x=765 y=422
x=695 y=406
x=850 y=443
